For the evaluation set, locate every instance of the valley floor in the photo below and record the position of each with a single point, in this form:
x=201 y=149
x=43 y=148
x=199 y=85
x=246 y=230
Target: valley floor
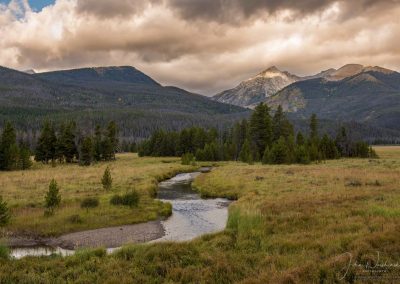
x=319 y=223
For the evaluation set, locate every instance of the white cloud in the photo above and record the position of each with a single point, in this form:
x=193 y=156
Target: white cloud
x=204 y=56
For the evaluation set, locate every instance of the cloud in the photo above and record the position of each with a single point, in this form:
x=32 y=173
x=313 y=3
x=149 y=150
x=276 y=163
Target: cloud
x=204 y=48
x=110 y=9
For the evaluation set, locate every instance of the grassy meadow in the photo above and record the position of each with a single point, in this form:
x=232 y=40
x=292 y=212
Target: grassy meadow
x=24 y=191
x=319 y=223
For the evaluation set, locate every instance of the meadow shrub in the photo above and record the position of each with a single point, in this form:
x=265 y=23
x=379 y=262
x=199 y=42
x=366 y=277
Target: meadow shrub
x=4 y=213
x=52 y=198
x=130 y=199
x=4 y=252
x=75 y=219
x=116 y=199
x=90 y=202
x=187 y=159
x=106 y=180
x=354 y=183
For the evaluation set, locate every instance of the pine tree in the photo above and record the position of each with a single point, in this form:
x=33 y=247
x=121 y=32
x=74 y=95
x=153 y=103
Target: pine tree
x=300 y=139
x=53 y=197
x=112 y=133
x=46 y=146
x=342 y=142
x=107 y=179
x=107 y=149
x=25 y=161
x=266 y=156
x=60 y=144
x=280 y=152
x=9 y=151
x=281 y=125
x=86 y=153
x=314 y=129
x=4 y=213
x=245 y=154
x=97 y=144
x=302 y=155
x=260 y=128
x=68 y=137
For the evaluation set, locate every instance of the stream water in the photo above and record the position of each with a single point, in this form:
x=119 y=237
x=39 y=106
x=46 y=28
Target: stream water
x=191 y=216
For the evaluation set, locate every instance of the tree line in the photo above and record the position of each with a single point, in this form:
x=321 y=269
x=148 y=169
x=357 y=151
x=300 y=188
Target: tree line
x=265 y=138
x=68 y=144
x=65 y=144
x=13 y=155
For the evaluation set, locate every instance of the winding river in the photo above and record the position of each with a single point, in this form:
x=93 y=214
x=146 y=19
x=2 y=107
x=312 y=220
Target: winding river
x=191 y=216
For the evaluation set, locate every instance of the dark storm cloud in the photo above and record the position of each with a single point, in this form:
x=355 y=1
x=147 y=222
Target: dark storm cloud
x=235 y=11
x=112 y=8
x=205 y=46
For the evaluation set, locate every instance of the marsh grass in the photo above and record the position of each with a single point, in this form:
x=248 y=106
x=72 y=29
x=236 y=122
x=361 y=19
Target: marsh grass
x=295 y=224
x=24 y=191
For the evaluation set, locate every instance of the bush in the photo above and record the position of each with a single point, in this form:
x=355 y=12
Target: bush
x=354 y=183
x=130 y=199
x=4 y=252
x=187 y=159
x=4 y=213
x=53 y=197
x=75 y=219
x=89 y=202
x=107 y=179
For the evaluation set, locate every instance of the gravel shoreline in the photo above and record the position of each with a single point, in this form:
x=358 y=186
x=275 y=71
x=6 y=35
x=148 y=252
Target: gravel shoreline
x=110 y=237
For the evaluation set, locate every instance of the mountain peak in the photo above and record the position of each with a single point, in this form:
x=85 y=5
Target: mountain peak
x=122 y=74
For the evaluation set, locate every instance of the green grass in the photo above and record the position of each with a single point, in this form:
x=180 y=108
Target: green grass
x=24 y=192
x=290 y=224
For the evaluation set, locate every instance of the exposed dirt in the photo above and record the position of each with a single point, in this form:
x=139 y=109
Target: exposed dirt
x=110 y=237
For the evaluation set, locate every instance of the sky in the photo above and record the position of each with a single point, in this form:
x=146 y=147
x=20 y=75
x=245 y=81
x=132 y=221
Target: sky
x=204 y=46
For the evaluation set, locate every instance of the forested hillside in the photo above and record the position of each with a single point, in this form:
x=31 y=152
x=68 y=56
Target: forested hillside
x=90 y=96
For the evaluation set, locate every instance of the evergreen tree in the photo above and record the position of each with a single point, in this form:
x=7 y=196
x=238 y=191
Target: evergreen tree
x=53 y=197
x=107 y=149
x=302 y=156
x=59 y=144
x=300 y=139
x=281 y=126
x=46 y=146
x=314 y=129
x=266 y=156
x=4 y=213
x=68 y=138
x=239 y=135
x=342 y=142
x=106 y=180
x=97 y=144
x=260 y=128
x=280 y=152
x=327 y=148
x=25 y=161
x=9 y=152
x=86 y=153
x=112 y=133
x=245 y=155
x=314 y=153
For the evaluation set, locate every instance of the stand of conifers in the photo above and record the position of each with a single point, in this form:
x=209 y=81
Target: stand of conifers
x=265 y=138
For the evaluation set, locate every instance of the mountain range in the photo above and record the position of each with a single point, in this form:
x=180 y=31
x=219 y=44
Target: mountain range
x=365 y=98
x=363 y=94
x=134 y=100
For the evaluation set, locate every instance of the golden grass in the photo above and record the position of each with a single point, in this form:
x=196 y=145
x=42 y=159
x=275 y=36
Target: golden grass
x=24 y=191
x=290 y=224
